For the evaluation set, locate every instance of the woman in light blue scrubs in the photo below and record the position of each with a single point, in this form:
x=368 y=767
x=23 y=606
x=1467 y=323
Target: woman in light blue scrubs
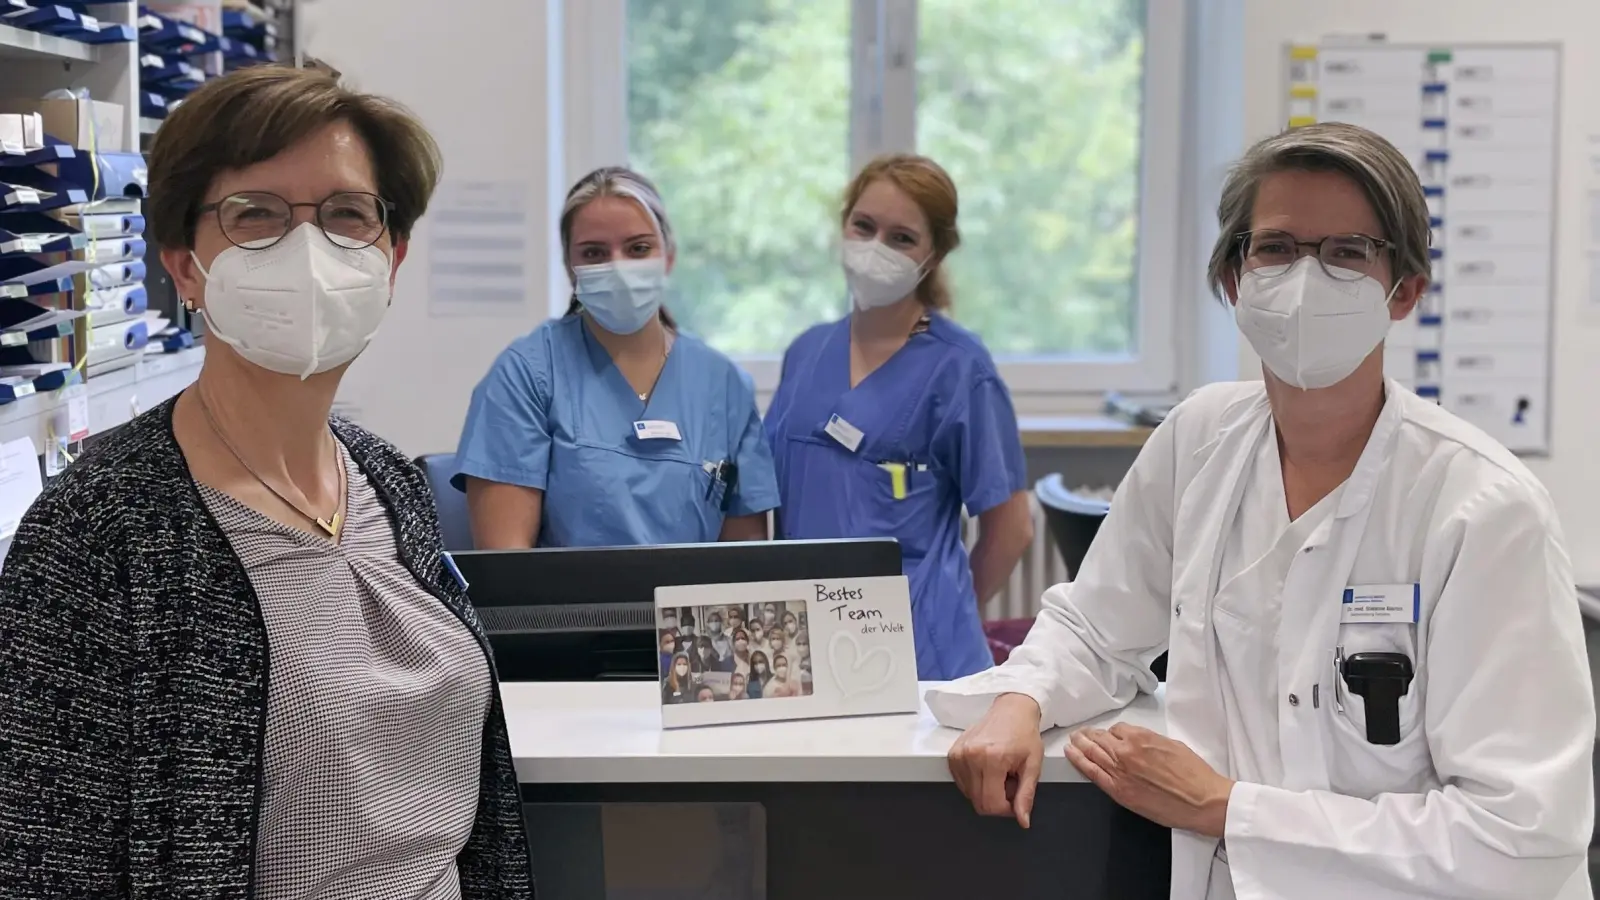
x=889 y=421
x=607 y=427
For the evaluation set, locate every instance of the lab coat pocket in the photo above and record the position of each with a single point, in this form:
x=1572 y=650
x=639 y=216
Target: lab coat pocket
x=1356 y=766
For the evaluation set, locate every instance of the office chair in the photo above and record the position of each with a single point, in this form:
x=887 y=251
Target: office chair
x=451 y=503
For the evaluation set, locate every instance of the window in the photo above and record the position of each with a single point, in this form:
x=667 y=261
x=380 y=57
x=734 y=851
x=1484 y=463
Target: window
x=1060 y=121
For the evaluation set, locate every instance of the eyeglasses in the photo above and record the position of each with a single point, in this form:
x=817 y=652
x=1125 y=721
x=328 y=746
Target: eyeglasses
x=256 y=220
x=1346 y=257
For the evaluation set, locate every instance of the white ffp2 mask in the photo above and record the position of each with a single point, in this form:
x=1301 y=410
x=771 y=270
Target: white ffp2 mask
x=300 y=307
x=1311 y=329
x=877 y=274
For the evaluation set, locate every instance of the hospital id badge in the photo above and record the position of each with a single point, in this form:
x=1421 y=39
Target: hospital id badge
x=656 y=430
x=846 y=434
x=1381 y=603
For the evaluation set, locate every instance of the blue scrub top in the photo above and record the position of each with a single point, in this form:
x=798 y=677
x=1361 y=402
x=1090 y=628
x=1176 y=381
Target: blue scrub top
x=938 y=406
x=554 y=413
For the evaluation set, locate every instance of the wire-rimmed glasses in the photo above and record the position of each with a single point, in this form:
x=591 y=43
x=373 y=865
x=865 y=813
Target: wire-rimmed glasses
x=256 y=220
x=1345 y=257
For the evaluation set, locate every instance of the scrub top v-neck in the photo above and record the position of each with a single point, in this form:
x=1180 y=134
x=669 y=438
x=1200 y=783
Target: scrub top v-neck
x=556 y=414
x=933 y=430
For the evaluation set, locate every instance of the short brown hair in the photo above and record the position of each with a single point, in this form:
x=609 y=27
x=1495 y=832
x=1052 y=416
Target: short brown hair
x=254 y=114
x=932 y=189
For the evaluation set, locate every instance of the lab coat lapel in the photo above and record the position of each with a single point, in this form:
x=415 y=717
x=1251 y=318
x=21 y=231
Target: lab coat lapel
x=1308 y=629
x=1194 y=698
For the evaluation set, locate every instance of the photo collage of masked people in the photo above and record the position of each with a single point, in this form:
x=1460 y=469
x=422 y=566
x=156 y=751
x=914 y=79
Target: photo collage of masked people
x=755 y=651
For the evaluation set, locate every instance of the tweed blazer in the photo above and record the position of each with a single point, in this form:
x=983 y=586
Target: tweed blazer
x=133 y=684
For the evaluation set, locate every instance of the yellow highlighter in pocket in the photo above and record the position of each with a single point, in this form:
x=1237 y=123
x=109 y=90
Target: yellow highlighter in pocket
x=897 y=478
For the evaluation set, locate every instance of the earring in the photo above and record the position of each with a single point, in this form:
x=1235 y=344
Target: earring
x=189 y=306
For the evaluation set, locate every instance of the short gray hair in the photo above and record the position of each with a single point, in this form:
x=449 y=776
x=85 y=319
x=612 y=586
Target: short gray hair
x=615 y=181
x=1383 y=173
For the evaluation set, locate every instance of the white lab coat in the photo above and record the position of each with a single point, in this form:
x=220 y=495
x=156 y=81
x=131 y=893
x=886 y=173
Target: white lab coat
x=1489 y=793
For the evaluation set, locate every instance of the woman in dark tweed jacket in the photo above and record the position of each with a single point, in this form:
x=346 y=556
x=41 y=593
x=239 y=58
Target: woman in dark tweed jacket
x=234 y=661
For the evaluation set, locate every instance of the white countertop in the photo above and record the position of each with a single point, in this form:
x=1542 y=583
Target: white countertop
x=608 y=733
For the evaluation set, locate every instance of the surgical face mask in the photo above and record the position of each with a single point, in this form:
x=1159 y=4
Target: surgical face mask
x=716 y=627
x=1311 y=329
x=878 y=275
x=761 y=668
x=622 y=296
x=782 y=672
x=300 y=307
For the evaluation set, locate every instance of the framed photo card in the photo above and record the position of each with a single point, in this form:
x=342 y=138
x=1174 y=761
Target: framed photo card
x=778 y=650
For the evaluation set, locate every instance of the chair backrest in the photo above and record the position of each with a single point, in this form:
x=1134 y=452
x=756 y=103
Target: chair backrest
x=451 y=503
x=1073 y=520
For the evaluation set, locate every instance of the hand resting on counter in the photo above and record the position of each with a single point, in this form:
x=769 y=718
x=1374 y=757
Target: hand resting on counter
x=997 y=762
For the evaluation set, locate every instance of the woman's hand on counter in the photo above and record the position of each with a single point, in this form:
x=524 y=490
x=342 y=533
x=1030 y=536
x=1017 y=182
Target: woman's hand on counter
x=1155 y=776
x=996 y=763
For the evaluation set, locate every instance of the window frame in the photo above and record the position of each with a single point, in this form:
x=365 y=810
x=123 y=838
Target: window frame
x=883 y=118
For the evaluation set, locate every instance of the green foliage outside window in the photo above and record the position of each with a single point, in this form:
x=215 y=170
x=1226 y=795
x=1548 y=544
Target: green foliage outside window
x=739 y=110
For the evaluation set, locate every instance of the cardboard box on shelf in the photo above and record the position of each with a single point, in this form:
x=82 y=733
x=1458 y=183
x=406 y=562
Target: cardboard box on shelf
x=85 y=124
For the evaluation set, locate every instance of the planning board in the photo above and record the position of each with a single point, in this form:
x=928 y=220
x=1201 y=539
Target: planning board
x=1480 y=125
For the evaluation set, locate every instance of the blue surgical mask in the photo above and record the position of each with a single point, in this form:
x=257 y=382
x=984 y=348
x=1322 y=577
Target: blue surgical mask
x=622 y=296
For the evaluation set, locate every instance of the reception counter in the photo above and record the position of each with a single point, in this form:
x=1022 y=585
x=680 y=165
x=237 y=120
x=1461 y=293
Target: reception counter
x=834 y=808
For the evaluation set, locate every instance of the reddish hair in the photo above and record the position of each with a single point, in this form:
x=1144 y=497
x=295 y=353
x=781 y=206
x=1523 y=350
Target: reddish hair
x=931 y=188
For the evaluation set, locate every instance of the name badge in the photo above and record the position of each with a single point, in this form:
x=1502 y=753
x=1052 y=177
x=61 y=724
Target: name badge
x=656 y=430
x=1381 y=603
x=846 y=434
x=450 y=564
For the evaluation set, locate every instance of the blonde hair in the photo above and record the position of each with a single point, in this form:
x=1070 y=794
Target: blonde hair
x=931 y=188
x=616 y=181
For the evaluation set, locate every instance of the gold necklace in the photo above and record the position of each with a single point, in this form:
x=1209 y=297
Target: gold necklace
x=331 y=526
x=666 y=351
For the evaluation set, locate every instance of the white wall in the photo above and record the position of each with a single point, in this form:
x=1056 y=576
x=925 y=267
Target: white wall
x=1570 y=471
x=480 y=79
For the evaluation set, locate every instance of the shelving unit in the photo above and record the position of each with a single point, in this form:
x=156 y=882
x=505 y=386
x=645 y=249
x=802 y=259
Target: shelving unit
x=16 y=43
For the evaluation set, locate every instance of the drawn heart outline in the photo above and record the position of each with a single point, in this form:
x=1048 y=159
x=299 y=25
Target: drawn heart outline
x=846 y=659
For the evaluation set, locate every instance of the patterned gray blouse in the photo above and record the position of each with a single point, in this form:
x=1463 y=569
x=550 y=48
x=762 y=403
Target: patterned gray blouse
x=375 y=710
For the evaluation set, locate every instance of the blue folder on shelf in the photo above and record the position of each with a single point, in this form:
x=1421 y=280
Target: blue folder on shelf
x=42 y=289
x=53 y=151
x=242 y=23
x=153 y=105
x=91 y=30
x=26 y=243
x=11 y=8
x=46 y=18
x=155 y=69
x=167 y=35
x=38 y=376
x=22 y=322
x=110 y=33
x=61 y=192
x=177 y=339
x=236 y=49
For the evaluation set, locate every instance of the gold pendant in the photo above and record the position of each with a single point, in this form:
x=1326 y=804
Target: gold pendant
x=332 y=528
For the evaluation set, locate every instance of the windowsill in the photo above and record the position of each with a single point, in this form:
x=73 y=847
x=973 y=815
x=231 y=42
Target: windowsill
x=1068 y=432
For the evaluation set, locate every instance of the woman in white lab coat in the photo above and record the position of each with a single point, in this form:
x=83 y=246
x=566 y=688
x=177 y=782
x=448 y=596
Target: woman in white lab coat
x=1299 y=546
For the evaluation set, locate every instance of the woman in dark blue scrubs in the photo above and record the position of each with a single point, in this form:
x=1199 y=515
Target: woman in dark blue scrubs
x=891 y=420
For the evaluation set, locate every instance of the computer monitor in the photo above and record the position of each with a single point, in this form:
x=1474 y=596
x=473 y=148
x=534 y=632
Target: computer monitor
x=586 y=614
